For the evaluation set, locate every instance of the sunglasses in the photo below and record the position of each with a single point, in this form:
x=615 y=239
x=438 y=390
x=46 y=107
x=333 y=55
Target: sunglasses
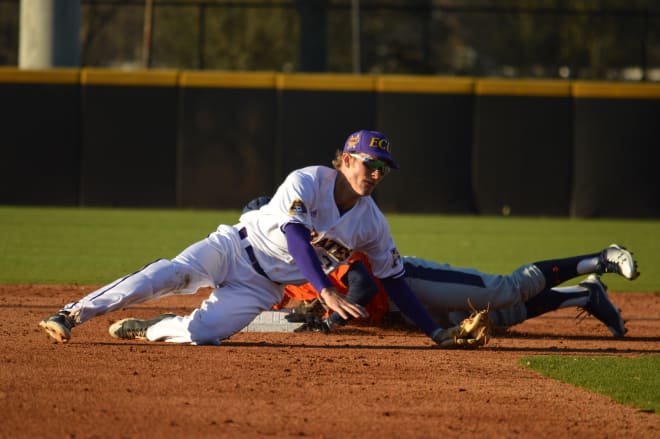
x=373 y=164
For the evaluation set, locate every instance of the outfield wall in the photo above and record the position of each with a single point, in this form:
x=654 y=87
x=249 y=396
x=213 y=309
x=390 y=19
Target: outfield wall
x=202 y=139
x=40 y=139
x=129 y=138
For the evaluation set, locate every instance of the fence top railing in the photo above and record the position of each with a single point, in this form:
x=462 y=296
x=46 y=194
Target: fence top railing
x=381 y=83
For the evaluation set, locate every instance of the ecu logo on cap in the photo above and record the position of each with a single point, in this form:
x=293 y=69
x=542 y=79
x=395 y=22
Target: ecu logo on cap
x=380 y=143
x=297 y=208
x=353 y=141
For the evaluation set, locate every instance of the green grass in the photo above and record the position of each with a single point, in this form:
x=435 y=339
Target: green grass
x=93 y=246
x=630 y=381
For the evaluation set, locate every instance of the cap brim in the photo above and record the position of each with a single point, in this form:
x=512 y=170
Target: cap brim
x=388 y=160
x=393 y=164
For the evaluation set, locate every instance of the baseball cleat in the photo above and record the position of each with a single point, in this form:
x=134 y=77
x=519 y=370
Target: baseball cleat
x=135 y=329
x=58 y=326
x=616 y=259
x=600 y=306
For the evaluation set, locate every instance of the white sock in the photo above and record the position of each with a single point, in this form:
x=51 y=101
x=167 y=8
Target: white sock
x=586 y=266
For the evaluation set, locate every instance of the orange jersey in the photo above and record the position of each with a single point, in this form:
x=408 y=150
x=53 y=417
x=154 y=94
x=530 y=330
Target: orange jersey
x=377 y=308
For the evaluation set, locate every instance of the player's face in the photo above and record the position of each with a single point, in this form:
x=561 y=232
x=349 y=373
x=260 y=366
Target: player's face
x=364 y=172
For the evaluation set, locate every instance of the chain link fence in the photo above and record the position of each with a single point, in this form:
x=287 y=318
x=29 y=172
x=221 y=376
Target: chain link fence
x=612 y=40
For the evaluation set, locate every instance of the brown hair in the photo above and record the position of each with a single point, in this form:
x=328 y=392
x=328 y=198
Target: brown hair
x=336 y=162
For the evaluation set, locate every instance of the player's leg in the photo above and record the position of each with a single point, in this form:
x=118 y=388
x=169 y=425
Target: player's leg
x=240 y=295
x=549 y=299
x=186 y=273
x=552 y=299
x=613 y=259
x=361 y=289
x=441 y=287
x=444 y=287
x=590 y=295
x=228 y=309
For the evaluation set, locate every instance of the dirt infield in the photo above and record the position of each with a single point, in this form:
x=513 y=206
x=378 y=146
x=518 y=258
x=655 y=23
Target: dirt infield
x=363 y=382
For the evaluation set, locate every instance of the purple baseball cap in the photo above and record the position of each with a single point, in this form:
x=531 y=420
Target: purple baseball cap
x=373 y=143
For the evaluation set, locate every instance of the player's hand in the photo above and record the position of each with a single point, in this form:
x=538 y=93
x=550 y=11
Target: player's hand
x=339 y=303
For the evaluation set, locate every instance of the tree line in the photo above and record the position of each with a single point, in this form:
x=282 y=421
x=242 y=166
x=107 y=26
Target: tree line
x=588 y=39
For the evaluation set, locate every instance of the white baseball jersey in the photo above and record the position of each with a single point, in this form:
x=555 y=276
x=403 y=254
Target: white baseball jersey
x=224 y=261
x=307 y=197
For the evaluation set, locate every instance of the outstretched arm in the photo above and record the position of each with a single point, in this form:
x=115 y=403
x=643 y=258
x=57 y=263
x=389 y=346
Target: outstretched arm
x=404 y=298
x=471 y=332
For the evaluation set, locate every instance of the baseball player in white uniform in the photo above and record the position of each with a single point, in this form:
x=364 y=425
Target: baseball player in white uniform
x=316 y=219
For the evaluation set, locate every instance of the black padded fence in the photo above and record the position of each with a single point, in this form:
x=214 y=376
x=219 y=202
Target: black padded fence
x=430 y=126
x=316 y=113
x=129 y=138
x=227 y=139
x=96 y=137
x=617 y=150
x=523 y=160
x=40 y=137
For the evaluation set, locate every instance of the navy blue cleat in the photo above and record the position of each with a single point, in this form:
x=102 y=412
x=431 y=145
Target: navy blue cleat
x=600 y=306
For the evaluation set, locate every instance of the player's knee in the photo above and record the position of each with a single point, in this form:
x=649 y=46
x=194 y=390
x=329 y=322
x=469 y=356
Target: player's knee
x=158 y=270
x=203 y=333
x=529 y=281
x=209 y=330
x=170 y=276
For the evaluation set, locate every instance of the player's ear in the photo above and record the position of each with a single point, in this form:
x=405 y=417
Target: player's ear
x=346 y=159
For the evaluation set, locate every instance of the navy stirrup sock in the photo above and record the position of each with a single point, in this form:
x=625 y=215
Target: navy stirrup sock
x=549 y=300
x=557 y=271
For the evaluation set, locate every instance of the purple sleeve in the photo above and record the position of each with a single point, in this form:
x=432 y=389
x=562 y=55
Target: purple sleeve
x=403 y=297
x=297 y=239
